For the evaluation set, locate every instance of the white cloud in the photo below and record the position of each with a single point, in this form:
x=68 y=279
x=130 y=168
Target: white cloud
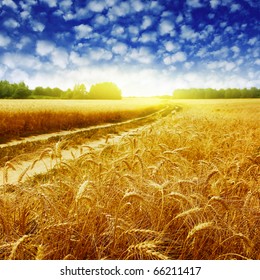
x=234 y=8
x=110 y=3
x=133 y=30
x=221 y=65
x=83 y=31
x=50 y=3
x=223 y=24
x=240 y=61
x=60 y=57
x=252 y=41
x=23 y=42
x=177 y=57
x=148 y=37
x=78 y=60
x=101 y=20
x=37 y=26
x=194 y=3
x=202 y=52
x=137 y=5
x=19 y=75
x=235 y=49
x=65 y=5
x=221 y=53
x=188 y=33
x=4 y=40
x=167 y=14
x=25 y=15
x=217 y=40
x=167 y=60
x=166 y=27
x=10 y=4
x=214 y=3
x=22 y=61
x=142 y=55
x=208 y=29
x=3 y=69
x=44 y=47
x=147 y=22
x=179 y=18
x=120 y=10
x=100 y=54
x=11 y=23
x=188 y=65
x=229 y=29
x=96 y=6
x=117 y=30
x=68 y=16
x=27 y=5
x=120 y=48
x=155 y=8
x=169 y=46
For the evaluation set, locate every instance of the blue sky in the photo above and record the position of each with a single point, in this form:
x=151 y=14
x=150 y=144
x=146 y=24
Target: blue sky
x=145 y=47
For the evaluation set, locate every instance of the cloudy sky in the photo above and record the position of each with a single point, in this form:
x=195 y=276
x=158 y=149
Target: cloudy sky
x=145 y=47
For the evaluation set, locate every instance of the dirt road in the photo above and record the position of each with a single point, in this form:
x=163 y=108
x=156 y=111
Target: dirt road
x=42 y=153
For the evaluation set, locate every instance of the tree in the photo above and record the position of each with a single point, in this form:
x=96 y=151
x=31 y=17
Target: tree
x=6 y=89
x=106 y=90
x=79 y=91
x=21 y=91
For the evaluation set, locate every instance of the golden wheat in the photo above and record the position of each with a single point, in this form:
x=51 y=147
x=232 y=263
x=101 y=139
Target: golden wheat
x=185 y=187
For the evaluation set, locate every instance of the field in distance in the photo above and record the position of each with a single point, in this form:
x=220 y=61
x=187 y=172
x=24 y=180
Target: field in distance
x=20 y=118
x=183 y=187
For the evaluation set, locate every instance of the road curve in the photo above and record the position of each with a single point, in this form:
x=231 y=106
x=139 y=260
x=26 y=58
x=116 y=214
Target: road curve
x=26 y=164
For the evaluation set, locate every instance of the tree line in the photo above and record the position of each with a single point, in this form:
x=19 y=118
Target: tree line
x=108 y=90
x=209 y=93
x=105 y=90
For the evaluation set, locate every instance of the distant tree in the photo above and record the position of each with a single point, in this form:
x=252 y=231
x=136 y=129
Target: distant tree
x=106 y=90
x=21 y=91
x=6 y=89
x=39 y=91
x=207 y=93
x=56 y=92
x=79 y=91
x=67 y=94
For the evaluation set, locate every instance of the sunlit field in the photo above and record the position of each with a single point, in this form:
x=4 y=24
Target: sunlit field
x=184 y=187
x=19 y=118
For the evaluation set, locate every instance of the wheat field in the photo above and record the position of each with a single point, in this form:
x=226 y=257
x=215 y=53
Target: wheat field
x=185 y=187
x=21 y=118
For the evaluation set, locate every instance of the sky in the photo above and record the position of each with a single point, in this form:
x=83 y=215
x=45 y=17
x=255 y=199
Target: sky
x=145 y=47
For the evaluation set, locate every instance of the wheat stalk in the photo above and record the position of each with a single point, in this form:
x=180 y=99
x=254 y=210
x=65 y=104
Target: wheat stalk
x=20 y=178
x=58 y=149
x=16 y=245
x=132 y=195
x=147 y=249
x=8 y=165
x=199 y=228
x=81 y=190
x=180 y=196
x=219 y=200
x=189 y=212
x=40 y=252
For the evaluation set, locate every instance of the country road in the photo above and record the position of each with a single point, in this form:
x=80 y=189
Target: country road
x=47 y=151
